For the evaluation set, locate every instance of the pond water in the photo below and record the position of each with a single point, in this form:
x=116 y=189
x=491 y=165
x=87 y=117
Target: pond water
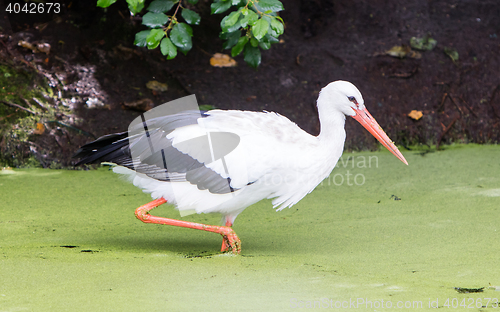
x=385 y=235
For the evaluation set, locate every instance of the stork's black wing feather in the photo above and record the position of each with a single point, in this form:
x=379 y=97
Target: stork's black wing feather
x=164 y=162
x=105 y=148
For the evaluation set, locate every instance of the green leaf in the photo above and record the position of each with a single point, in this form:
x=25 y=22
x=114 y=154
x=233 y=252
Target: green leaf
x=191 y=17
x=140 y=38
x=219 y=7
x=273 y=33
x=139 y=8
x=239 y=46
x=161 y=6
x=277 y=26
x=154 y=37
x=249 y=19
x=232 y=19
x=192 y=1
x=181 y=36
x=154 y=19
x=265 y=45
x=252 y=55
x=135 y=6
x=186 y=28
x=270 y=6
x=168 y=48
x=226 y=29
x=105 y=3
x=235 y=2
x=254 y=42
x=260 y=29
x=232 y=39
x=225 y=35
x=270 y=39
x=279 y=18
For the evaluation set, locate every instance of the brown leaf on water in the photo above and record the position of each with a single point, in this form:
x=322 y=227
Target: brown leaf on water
x=425 y=43
x=40 y=128
x=43 y=47
x=403 y=51
x=452 y=53
x=222 y=60
x=156 y=86
x=415 y=114
x=140 y=105
x=35 y=48
x=27 y=45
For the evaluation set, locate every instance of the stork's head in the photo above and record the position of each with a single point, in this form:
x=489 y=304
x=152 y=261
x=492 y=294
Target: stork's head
x=346 y=98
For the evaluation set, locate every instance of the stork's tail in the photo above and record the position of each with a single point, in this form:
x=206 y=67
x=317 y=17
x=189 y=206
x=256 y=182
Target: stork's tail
x=109 y=148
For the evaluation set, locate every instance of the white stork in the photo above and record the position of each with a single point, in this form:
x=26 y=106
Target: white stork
x=269 y=157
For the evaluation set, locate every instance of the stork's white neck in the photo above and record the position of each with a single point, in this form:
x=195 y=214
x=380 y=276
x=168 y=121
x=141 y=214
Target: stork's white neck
x=330 y=139
x=332 y=122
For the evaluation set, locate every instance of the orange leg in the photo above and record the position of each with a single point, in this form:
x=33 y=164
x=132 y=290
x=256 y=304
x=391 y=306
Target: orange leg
x=230 y=239
x=225 y=242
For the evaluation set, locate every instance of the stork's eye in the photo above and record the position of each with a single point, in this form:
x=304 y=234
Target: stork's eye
x=352 y=99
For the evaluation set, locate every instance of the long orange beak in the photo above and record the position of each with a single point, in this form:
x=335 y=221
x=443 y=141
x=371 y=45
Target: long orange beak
x=370 y=124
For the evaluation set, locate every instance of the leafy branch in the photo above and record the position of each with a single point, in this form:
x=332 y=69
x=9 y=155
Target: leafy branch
x=253 y=26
